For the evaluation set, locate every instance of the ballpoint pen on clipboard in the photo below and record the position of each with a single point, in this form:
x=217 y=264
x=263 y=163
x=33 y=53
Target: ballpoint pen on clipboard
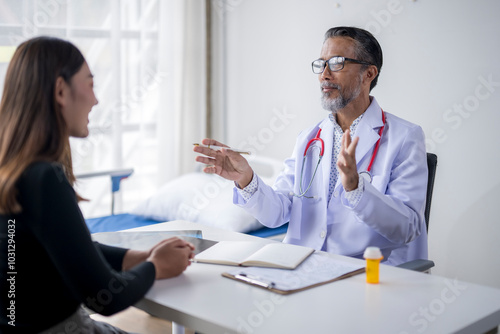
x=254 y=280
x=218 y=148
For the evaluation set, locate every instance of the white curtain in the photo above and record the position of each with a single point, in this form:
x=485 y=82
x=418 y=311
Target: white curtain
x=182 y=104
x=148 y=59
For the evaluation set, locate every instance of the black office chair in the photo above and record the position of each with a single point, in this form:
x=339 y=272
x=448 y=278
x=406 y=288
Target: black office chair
x=425 y=265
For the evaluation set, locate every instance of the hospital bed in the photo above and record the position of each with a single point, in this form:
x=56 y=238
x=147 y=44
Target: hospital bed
x=196 y=197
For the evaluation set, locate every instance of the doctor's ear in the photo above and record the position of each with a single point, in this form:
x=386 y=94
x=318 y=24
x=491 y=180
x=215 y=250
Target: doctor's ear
x=371 y=73
x=61 y=91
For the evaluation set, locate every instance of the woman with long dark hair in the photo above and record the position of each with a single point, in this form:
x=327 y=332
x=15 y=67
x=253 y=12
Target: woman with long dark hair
x=49 y=265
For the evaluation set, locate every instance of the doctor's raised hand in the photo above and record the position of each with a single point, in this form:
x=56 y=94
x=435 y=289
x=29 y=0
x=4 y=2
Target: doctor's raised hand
x=346 y=162
x=225 y=162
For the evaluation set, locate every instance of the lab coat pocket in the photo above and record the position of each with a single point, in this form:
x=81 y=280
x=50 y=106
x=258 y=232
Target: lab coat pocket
x=310 y=210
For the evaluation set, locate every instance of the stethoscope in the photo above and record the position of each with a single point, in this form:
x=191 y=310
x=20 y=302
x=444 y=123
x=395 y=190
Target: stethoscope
x=365 y=174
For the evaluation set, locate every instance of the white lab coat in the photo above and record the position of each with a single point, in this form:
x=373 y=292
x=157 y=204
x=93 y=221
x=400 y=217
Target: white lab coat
x=390 y=214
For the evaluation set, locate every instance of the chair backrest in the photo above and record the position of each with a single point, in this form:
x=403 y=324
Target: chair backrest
x=421 y=264
x=431 y=165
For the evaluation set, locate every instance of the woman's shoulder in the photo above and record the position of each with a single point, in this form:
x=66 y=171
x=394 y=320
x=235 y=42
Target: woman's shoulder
x=40 y=182
x=41 y=171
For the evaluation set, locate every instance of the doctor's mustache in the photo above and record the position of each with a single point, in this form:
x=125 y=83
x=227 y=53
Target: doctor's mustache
x=330 y=85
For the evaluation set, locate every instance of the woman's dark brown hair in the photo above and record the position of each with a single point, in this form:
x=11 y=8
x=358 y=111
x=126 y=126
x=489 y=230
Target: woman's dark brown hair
x=32 y=127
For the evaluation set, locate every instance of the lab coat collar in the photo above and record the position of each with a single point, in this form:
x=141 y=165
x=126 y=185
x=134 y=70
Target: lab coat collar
x=367 y=131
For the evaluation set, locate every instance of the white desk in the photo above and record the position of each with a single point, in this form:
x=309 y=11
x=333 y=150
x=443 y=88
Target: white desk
x=404 y=301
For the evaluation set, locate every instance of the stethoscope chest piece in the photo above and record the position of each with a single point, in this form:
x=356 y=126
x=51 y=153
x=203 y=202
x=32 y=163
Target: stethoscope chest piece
x=366 y=175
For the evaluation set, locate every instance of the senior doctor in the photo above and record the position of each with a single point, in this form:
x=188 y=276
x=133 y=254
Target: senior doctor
x=369 y=187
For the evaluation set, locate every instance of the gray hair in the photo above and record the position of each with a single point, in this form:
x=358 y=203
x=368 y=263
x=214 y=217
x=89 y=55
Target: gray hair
x=367 y=47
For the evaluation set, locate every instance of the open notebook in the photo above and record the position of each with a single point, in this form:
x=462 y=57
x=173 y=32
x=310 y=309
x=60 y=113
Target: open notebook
x=258 y=254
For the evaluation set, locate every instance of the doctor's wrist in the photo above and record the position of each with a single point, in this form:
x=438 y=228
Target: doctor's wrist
x=245 y=180
x=353 y=184
x=354 y=197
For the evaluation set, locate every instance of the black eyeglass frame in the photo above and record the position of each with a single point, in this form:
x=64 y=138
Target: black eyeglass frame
x=325 y=62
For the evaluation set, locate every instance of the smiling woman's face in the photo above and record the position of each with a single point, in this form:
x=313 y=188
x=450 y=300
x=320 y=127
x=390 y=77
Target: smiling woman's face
x=77 y=101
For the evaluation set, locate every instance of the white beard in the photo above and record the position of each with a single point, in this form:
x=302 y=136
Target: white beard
x=341 y=101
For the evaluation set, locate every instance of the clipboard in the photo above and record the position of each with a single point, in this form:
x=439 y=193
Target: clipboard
x=317 y=270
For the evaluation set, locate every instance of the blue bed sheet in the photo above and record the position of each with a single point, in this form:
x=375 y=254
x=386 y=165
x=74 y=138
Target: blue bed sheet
x=125 y=221
x=117 y=222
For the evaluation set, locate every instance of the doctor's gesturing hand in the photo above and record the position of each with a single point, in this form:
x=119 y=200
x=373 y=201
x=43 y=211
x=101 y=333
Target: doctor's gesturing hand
x=346 y=162
x=225 y=163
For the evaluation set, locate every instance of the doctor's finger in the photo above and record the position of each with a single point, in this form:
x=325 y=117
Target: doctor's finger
x=346 y=165
x=209 y=141
x=206 y=151
x=210 y=170
x=206 y=160
x=344 y=159
x=346 y=139
x=351 y=149
x=347 y=157
x=234 y=156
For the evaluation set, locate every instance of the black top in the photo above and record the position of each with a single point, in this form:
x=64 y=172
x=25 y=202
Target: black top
x=49 y=264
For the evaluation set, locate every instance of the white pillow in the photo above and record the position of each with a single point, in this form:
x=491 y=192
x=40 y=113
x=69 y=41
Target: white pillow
x=198 y=197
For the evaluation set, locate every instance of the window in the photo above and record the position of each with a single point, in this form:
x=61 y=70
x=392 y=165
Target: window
x=120 y=40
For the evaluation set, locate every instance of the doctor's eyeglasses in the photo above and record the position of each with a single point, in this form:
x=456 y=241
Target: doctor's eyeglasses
x=335 y=64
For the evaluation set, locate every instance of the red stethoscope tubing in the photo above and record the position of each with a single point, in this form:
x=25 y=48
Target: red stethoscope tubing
x=317 y=138
x=310 y=142
x=375 y=150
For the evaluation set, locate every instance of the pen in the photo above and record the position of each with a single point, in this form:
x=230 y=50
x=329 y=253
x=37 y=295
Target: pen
x=254 y=280
x=218 y=148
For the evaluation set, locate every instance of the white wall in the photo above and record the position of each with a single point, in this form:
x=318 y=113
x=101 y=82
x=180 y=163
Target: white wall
x=437 y=56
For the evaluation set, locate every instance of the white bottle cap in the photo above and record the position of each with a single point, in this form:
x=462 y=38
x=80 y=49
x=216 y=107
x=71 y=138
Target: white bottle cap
x=372 y=253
